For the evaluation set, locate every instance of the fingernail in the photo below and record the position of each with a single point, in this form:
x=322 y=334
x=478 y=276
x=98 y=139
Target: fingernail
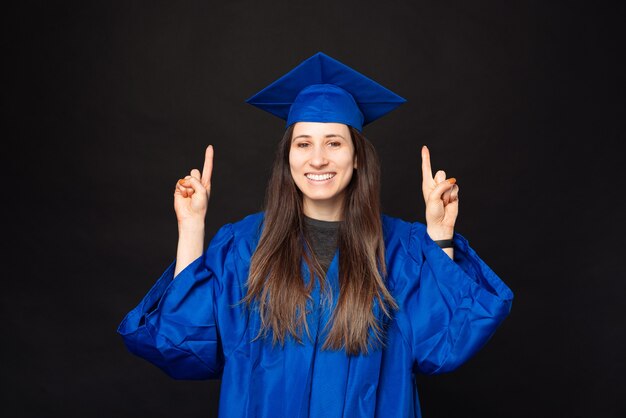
x=451 y=180
x=181 y=181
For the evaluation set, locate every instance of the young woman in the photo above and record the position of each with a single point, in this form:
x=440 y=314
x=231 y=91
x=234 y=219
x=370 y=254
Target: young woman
x=319 y=306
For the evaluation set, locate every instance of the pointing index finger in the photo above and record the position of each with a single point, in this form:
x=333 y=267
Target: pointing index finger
x=207 y=170
x=427 y=172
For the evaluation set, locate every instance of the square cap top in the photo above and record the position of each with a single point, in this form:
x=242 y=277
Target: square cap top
x=322 y=89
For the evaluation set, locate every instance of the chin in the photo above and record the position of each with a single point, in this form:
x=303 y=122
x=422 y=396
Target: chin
x=318 y=198
x=321 y=197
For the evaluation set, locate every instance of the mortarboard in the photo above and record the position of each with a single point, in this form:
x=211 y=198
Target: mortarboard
x=322 y=89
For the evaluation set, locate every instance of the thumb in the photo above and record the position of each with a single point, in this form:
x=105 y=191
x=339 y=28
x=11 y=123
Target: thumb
x=440 y=189
x=194 y=183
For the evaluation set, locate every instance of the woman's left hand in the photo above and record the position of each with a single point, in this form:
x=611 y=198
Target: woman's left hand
x=441 y=196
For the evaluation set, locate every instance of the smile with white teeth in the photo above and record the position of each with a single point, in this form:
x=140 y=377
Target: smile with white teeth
x=320 y=177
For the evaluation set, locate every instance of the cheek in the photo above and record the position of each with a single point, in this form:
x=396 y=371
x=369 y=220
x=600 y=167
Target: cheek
x=292 y=162
x=294 y=168
x=349 y=174
x=349 y=167
x=293 y=159
x=348 y=162
x=297 y=162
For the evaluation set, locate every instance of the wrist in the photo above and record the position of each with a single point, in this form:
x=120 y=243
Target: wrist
x=437 y=234
x=191 y=227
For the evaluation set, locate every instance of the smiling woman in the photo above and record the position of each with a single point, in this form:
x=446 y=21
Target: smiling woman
x=319 y=306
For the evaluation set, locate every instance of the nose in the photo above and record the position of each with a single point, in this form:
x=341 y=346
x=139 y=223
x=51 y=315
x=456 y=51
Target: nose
x=318 y=158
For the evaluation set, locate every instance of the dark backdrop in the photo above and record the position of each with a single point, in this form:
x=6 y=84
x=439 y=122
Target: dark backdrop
x=109 y=103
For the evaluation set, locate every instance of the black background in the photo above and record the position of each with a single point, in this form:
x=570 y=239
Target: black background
x=109 y=103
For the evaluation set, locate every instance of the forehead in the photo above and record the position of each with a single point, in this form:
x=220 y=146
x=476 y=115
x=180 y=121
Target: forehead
x=320 y=129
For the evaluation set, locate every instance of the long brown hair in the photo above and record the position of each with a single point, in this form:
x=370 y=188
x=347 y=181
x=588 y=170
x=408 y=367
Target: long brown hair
x=275 y=281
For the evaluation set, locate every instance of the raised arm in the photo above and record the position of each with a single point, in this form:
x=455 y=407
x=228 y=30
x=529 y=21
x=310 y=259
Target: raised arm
x=191 y=198
x=441 y=197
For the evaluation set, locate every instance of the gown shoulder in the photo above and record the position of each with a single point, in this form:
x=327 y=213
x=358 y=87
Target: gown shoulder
x=449 y=308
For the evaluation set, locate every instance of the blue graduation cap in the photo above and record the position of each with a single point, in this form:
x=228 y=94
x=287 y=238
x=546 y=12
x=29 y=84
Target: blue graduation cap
x=322 y=89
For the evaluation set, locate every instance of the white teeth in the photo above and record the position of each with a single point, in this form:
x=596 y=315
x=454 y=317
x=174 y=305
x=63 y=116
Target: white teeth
x=320 y=177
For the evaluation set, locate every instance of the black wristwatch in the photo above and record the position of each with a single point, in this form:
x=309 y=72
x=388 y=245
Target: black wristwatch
x=445 y=243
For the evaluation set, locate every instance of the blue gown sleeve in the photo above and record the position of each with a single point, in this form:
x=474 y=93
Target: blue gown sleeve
x=449 y=309
x=175 y=326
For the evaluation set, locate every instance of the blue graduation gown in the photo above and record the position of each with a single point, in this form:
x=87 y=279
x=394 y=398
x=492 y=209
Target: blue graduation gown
x=448 y=310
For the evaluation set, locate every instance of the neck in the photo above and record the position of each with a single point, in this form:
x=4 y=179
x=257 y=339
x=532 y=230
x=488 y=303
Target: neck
x=323 y=210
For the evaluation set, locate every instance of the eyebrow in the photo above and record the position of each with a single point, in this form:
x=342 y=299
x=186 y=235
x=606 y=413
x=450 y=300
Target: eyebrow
x=327 y=136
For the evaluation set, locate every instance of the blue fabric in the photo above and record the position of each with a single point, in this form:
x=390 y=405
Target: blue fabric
x=325 y=103
x=322 y=89
x=448 y=310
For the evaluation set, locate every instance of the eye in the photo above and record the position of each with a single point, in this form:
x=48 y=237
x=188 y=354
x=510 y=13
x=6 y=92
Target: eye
x=335 y=144
x=302 y=144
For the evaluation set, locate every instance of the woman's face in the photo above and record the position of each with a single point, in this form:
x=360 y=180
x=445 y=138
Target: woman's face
x=321 y=159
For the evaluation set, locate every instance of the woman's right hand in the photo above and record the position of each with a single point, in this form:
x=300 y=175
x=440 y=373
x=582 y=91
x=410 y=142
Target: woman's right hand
x=192 y=193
